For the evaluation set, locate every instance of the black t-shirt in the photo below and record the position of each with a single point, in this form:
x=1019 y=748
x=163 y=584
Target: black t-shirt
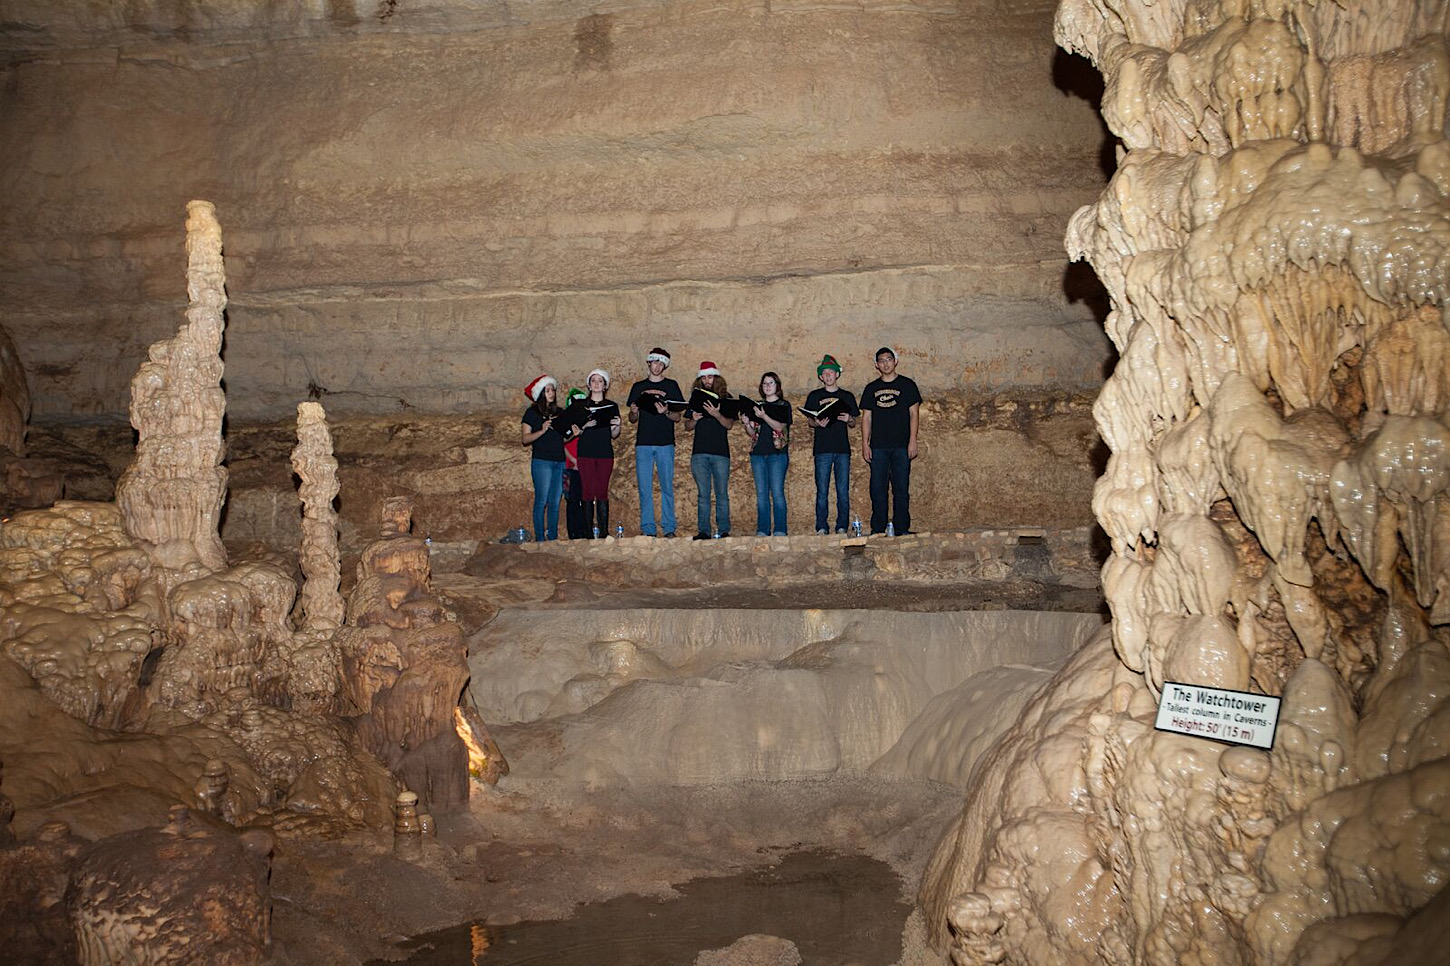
x=890 y=406
x=711 y=438
x=835 y=438
x=765 y=439
x=654 y=429
x=596 y=442
x=548 y=447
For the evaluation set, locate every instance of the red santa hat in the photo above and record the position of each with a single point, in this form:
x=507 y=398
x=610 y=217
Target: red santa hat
x=598 y=372
x=658 y=355
x=707 y=368
x=536 y=388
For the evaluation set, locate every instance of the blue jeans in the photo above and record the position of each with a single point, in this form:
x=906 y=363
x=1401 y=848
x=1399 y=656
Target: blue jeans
x=841 y=464
x=712 y=472
x=770 y=488
x=890 y=467
x=548 y=490
x=648 y=460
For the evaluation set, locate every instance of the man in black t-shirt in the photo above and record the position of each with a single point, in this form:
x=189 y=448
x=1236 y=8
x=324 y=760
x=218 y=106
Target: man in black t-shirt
x=654 y=443
x=832 y=446
x=890 y=410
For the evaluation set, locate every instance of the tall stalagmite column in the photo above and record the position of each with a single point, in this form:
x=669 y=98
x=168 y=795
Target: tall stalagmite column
x=316 y=467
x=171 y=495
x=1276 y=243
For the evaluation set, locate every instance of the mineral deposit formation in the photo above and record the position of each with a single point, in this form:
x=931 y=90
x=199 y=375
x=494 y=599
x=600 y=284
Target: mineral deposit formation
x=171 y=495
x=1275 y=245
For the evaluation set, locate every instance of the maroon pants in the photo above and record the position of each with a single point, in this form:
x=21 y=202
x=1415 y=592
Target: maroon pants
x=594 y=474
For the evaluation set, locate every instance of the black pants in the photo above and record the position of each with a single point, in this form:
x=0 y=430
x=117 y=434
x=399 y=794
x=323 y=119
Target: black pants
x=574 y=521
x=890 y=468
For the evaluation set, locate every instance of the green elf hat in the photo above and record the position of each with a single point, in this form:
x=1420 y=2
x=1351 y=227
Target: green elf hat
x=828 y=362
x=573 y=394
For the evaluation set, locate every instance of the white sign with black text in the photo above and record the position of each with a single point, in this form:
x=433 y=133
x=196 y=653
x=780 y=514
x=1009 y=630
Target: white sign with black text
x=1237 y=717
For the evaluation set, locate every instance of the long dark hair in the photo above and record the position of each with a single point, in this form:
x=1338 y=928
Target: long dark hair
x=719 y=389
x=779 y=386
x=543 y=405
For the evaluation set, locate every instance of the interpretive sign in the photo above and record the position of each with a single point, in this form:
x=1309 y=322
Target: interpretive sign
x=1237 y=717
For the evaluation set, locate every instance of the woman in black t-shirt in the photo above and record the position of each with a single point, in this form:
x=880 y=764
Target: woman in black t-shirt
x=596 y=453
x=547 y=466
x=710 y=458
x=768 y=427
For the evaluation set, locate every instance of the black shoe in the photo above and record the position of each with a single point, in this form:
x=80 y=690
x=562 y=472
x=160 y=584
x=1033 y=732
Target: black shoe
x=725 y=534
x=670 y=535
x=701 y=536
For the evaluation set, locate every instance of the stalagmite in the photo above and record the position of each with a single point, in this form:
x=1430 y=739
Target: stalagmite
x=171 y=495
x=1276 y=246
x=316 y=467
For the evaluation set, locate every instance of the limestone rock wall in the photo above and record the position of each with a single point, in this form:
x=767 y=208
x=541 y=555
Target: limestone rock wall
x=429 y=203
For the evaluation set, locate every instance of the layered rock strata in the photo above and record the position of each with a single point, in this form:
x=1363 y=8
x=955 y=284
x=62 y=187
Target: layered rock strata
x=493 y=188
x=1276 y=244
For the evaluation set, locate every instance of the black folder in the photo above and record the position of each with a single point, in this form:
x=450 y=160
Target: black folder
x=825 y=412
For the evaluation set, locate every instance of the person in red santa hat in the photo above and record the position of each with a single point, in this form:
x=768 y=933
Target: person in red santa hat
x=547 y=466
x=710 y=458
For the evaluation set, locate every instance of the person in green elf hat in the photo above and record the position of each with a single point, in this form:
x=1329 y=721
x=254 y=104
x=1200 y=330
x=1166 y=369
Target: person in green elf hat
x=832 y=411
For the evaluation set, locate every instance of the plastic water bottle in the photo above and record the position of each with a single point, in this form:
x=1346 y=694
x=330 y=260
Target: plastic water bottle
x=522 y=535
x=855 y=526
x=715 y=534
x=619 y=531
x=891 y=529
x=596 y=533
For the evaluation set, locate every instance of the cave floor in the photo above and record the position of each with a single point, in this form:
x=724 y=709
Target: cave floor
x=534 y=849
x=540 y=851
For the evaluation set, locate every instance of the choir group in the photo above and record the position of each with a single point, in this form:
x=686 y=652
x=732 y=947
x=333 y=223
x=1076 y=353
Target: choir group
x=573 y=447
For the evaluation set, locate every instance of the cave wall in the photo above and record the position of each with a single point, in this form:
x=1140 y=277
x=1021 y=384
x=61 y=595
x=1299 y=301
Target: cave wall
x=427 y=204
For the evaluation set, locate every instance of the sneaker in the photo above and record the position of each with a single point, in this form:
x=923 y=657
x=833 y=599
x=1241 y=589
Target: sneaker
x=823 y=533
x=724 y=534
x=761 y=533
x=701 y=536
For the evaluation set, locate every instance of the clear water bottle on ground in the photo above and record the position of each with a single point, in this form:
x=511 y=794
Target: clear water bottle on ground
x=855 y=526
x=891 y=529
x=619 y=531
x=596 y=533
x=521 y=535
x=715 y=534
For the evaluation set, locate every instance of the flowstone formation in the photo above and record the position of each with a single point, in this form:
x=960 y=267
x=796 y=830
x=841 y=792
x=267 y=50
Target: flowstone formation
x=404 y=667
x=1276 y=242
